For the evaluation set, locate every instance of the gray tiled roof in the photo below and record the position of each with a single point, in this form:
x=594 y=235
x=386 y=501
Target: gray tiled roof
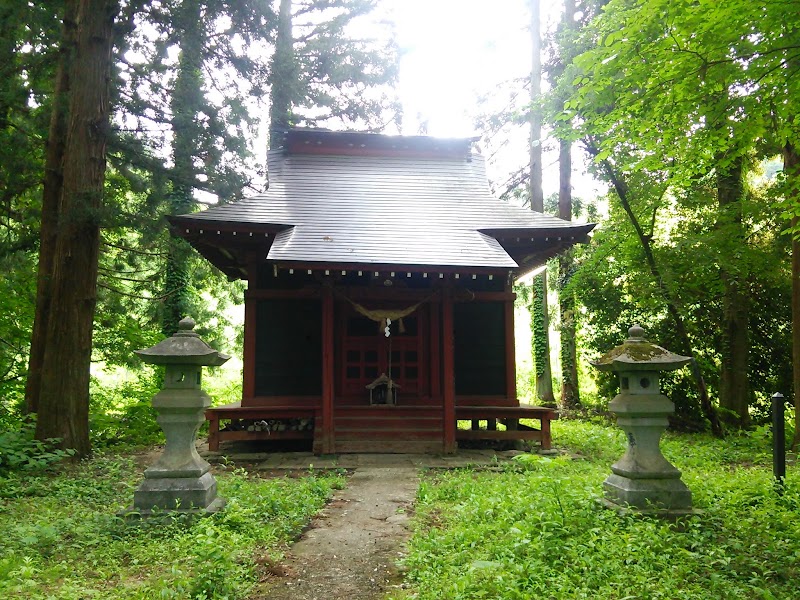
x=384 y=210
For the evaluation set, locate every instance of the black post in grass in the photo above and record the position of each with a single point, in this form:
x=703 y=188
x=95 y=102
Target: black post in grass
x=778 y=441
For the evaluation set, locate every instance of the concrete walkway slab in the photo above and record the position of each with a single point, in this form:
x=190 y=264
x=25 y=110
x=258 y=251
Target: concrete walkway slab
x=248 y=452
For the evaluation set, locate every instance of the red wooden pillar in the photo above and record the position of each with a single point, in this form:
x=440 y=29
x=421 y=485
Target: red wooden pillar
x=249 y=357
x=213 y=431
x=328 y=434
x=448 y=373
x=511 y=360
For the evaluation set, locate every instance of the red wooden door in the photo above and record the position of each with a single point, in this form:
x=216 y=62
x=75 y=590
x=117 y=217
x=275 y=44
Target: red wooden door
x=364 y=352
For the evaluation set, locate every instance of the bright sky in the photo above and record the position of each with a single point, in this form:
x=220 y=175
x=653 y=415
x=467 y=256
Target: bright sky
x=454 y=52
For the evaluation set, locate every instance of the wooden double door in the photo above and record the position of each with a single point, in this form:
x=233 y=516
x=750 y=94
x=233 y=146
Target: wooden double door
x=364 y=352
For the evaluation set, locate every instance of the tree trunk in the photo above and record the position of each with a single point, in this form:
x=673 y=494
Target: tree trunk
x=621 y=189
x=51 y=193
x=540 y=318
x=184 y=104
x=570 y=394
x=64 y=396
x=283 y=74
x=734 y=389
x=791 y=169
x=537 y=195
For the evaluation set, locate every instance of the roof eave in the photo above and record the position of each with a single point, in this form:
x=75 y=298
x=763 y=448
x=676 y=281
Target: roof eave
x=179 y=223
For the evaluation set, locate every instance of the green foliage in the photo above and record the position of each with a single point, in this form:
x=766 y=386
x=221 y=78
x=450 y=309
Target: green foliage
x=535 y=530
x=123 y=414
x=17 y=290
x=61 y=538
x=19 y=451
x=223 y=385
x=670 y=99
x=617 y=289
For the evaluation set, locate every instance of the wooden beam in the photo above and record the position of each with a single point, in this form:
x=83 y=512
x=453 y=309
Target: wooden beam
x=307 y=292
x=357 y=293
x=485 y=297
x=448 y=373
x=328 y=432
x=469 y=434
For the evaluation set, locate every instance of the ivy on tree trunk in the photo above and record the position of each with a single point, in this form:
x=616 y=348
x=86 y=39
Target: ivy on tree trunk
x=570 y=395
x=185 y=104
x=541 y=347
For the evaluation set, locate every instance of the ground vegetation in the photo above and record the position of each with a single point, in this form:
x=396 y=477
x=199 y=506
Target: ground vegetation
x=535 y=529
x=62 y=538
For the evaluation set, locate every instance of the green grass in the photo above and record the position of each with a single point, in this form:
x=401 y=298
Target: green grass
x=535 y=531
x=60 y=538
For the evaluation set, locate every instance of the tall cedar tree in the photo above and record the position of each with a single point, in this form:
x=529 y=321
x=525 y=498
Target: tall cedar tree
x=570 y=394
x=734 y=387
x=283 y=75
x=185 y=107
x=199 y=108
x=322 y=75
x=540 y=318
x=791 y=167
x=63 y=402
x=53 y=174
x=25 y=103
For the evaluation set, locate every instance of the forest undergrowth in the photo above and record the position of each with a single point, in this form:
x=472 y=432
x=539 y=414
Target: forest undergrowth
x=531 y=528
x=535 y=530
x=61 y=537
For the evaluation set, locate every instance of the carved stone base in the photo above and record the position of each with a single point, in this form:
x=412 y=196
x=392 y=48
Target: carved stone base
x=646 y=494
x=177 y=493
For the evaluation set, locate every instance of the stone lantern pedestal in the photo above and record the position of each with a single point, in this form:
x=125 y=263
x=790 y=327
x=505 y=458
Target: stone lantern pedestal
x=180 y=480
x=643 y=479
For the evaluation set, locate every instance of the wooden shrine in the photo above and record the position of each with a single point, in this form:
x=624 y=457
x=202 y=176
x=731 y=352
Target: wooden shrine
x=375 y=256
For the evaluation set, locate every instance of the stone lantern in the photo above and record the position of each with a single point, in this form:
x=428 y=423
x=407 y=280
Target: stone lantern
x=643 y=479
x=180 y=479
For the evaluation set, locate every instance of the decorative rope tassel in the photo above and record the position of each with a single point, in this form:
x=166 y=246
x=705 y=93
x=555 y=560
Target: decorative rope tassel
x=384 y=316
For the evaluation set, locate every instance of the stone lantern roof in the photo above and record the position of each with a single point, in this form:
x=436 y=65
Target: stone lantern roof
x=183 y=348
x=637 y=354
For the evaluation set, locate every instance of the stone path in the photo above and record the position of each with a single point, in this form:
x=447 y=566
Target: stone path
x=352 y=547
